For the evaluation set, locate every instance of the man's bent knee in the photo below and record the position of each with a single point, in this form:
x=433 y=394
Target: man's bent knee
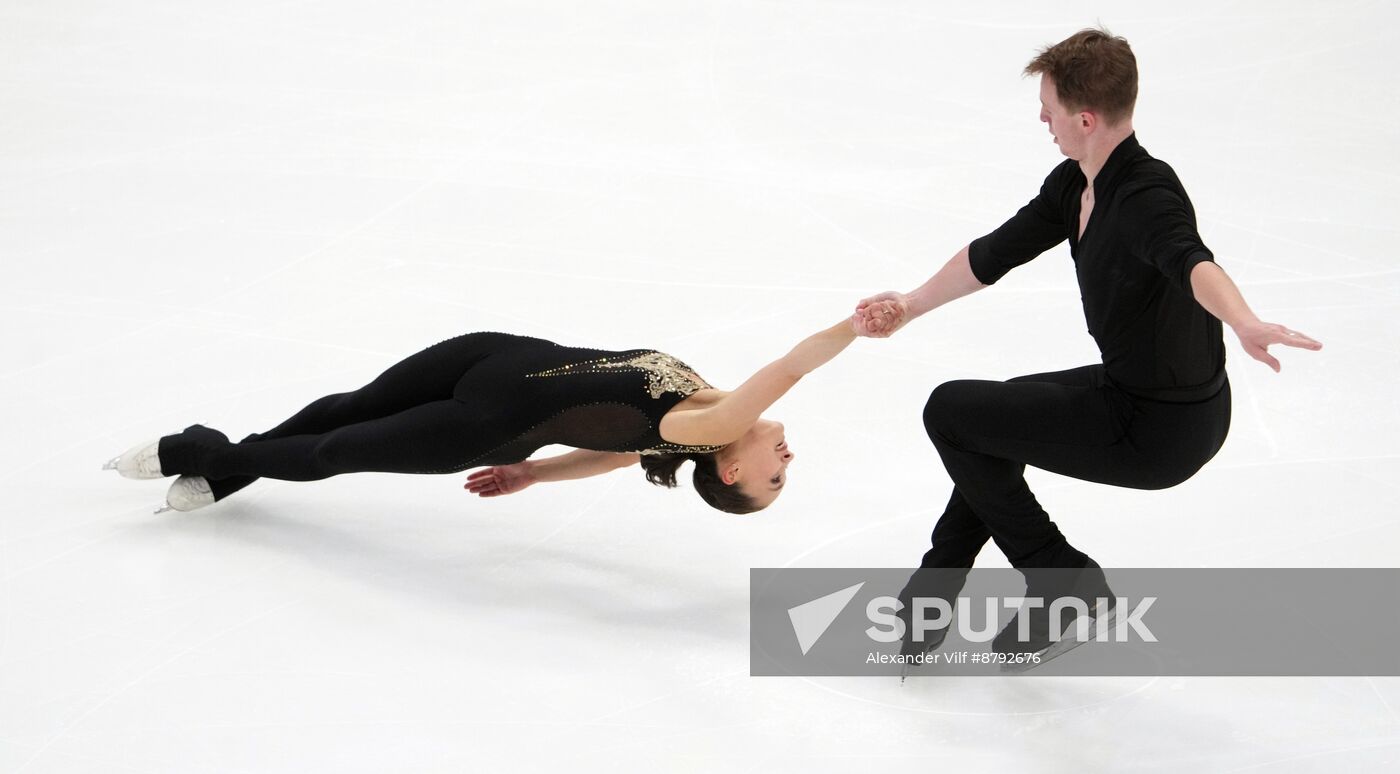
x=949 y=402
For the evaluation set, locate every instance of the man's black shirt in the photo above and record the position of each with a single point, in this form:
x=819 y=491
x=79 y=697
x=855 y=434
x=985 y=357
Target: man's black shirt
x=1134 y=268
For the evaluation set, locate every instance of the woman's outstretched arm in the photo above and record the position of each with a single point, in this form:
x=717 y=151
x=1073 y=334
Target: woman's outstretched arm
x=732 y=416
x=579 y=463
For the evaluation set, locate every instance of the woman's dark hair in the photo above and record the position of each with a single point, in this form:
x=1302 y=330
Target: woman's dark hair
x=661 y=470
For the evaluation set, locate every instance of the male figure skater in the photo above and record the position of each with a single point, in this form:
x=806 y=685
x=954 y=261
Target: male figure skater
x=1153 y=411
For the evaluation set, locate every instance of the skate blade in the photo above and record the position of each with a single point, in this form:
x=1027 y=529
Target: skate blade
x=1063 y=646
x=163 y=508
x=906 y=668
x=134 y=471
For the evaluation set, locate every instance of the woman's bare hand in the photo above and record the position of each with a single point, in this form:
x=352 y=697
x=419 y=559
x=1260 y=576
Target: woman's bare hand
x=500 y=479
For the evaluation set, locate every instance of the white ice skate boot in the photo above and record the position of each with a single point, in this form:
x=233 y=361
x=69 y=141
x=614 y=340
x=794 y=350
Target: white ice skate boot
x=140 y=461
x=187 y=494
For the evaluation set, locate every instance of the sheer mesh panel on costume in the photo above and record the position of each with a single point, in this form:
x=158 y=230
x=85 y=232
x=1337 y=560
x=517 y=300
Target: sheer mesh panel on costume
x=600 y=426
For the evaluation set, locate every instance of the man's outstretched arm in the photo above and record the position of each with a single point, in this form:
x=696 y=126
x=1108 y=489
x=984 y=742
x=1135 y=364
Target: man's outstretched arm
x=1216 y=292
x=1035 y=228
x=881 y=315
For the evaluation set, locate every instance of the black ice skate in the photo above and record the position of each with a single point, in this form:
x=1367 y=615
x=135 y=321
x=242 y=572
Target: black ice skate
x=1088 y=585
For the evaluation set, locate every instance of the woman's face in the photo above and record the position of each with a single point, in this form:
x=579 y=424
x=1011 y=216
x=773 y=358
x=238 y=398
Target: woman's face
x=757 y=462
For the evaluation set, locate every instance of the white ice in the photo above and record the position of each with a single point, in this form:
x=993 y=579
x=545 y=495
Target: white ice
x=216 y=212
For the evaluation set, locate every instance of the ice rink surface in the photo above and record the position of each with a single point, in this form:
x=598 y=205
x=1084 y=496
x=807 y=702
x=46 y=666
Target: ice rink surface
x=216 y=212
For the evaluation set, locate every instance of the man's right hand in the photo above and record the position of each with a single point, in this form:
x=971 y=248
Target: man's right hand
x=882 y=314
x=500 y=480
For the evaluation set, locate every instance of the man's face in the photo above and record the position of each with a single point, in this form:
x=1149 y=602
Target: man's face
x=1065 y=126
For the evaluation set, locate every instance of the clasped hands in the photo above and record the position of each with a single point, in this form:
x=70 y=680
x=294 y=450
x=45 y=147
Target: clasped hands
x=880 y=315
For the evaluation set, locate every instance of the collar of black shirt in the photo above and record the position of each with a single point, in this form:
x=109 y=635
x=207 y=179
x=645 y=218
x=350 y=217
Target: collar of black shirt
x=1118 y=159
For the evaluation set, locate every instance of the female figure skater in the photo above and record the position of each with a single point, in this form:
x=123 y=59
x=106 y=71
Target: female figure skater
x=492 y=399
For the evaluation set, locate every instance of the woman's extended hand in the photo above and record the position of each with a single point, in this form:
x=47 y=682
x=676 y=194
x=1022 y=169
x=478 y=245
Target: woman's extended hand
x=500 y=480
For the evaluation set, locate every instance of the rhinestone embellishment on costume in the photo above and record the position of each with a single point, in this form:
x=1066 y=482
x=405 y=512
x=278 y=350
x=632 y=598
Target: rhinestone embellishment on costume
x=677 y=448
x=664 y=372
